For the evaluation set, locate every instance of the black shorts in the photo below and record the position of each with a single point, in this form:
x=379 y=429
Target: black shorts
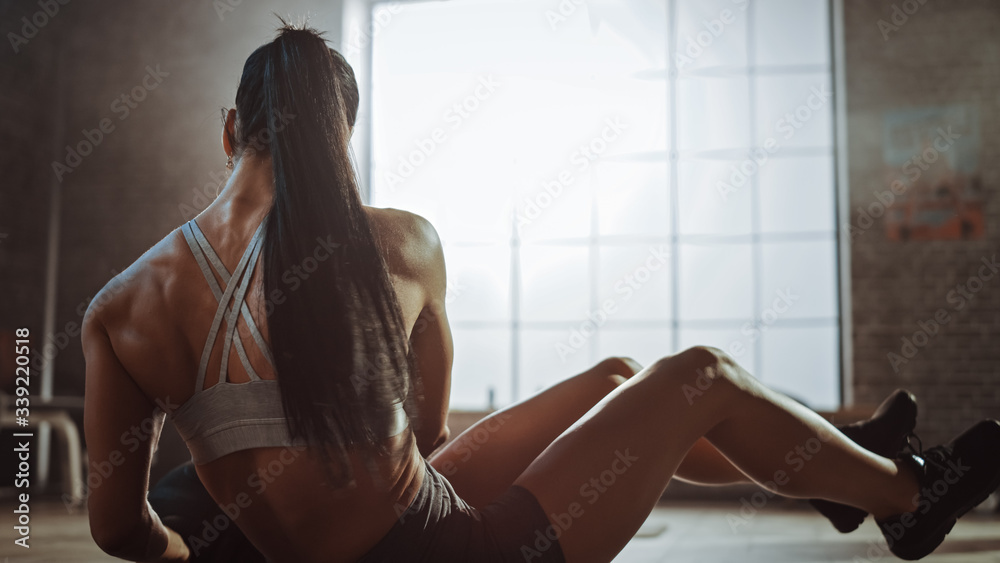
x=438 y=526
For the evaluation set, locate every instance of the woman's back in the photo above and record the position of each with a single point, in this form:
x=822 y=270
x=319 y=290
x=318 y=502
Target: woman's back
x=158 y=323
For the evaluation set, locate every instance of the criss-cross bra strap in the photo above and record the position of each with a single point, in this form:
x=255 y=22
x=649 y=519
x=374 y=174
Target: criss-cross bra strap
x=241 y=292
x=223 y=299
x=217 y=291
x=213 y=257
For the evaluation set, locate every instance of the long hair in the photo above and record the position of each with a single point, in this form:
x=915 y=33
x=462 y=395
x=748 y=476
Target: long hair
x=337 y=335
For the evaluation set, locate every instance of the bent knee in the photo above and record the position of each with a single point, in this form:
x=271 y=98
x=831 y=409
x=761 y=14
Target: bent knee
x=621 y=366
x=700 y=366
x=608 y=374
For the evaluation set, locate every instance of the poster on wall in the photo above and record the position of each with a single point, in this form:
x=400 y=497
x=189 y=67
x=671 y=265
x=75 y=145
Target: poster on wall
x=931 y=157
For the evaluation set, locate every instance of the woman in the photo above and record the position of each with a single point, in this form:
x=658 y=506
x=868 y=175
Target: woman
x=299 y=341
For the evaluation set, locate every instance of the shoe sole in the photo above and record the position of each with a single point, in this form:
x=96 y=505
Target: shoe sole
x=935 y=539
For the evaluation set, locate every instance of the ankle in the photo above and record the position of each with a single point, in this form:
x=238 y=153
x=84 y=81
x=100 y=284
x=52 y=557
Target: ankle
x=906 y=495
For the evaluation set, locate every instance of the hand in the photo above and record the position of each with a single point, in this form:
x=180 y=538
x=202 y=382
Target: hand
x=177 y=551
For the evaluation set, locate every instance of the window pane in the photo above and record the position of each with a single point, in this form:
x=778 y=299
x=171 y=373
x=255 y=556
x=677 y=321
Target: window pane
x=633 y=118
x=478 y=282
x=795 y=110
x=632 y=198
x=716 y=281
x=714 y=113
x=803 y=362
x=540 y=150
x=637 y=280
x=645 y=344
x=797 y=195
x=482 y=362
x=550 y=209
x=791 y=32
x=555 y=282
x=799 y=280
x=711 y=33
x=549 y=356
x=711 y=201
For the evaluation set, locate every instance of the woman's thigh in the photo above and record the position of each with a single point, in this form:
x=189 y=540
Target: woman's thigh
x=482 y=462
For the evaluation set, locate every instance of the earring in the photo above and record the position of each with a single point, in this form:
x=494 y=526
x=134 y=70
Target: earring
x=229 y=163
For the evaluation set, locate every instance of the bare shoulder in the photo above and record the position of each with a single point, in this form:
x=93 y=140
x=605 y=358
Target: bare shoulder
x=139 y=288
x=410 y=241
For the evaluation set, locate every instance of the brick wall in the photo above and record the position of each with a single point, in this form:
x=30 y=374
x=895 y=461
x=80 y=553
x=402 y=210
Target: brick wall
x=25 y=137
x=946 y=52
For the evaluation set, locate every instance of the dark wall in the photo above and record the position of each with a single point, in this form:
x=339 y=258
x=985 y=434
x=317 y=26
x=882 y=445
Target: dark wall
x=27 y=96
x=944 y=53
x=154 y=165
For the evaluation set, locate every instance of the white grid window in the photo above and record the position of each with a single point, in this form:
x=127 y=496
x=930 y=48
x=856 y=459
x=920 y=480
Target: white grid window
x=628 y=178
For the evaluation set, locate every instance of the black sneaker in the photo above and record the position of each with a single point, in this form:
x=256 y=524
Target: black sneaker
x=884 y=434
x=954 y=479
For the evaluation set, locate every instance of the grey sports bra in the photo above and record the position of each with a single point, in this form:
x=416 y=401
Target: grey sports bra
x=228 y=417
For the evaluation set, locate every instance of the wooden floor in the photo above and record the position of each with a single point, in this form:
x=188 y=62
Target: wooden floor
x=675 y=532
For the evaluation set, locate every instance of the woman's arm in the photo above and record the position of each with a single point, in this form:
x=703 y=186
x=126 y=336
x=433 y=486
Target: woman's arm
x=433 y=349
x=432 y=345
x=116 y=417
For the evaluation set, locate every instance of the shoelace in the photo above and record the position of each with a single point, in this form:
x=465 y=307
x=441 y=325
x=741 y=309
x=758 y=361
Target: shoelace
x=936 y=456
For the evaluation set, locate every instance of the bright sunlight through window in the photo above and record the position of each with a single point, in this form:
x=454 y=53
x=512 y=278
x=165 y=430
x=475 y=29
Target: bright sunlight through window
x=619 y=178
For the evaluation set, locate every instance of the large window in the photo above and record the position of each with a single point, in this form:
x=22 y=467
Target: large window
x=617 y=178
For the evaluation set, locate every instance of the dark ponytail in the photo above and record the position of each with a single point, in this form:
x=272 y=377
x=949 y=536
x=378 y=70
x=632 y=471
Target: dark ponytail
x=339 y=342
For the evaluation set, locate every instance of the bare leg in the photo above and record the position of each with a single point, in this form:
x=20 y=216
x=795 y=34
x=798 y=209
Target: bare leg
x=599 y=480
x=482 y=462
x=486 y=459
x=705 y=465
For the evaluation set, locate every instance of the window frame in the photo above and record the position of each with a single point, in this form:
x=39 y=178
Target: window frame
x=357 y=15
